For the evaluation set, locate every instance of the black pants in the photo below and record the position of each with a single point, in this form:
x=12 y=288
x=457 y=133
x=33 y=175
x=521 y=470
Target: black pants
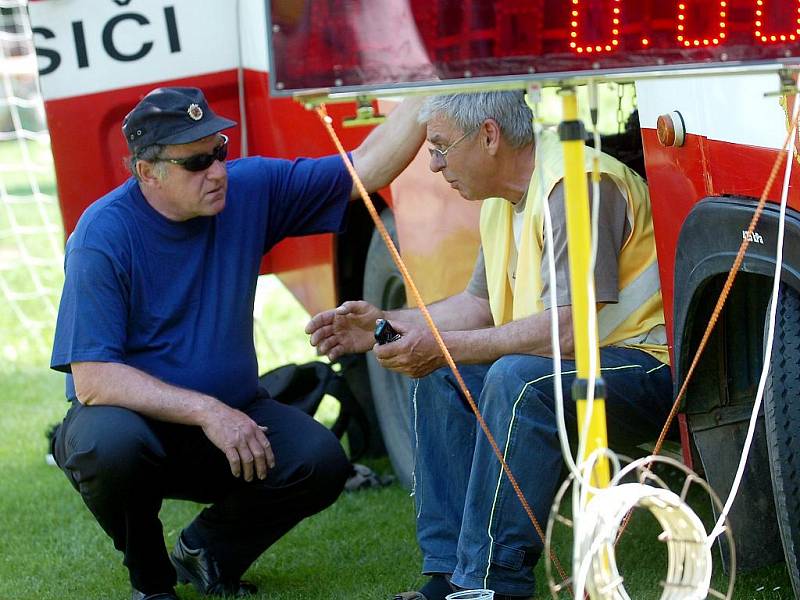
x=124 y=465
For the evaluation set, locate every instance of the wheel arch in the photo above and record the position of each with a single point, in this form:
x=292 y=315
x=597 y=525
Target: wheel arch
x=720 y=395
x=701 y=258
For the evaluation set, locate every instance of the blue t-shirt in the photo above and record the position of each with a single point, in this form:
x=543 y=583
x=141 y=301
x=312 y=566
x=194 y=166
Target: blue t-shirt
x=175 y=299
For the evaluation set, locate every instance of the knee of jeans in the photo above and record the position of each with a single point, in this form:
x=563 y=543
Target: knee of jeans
x=514 y=559
x=503 y=375
x=516 y=370
x=432 y=382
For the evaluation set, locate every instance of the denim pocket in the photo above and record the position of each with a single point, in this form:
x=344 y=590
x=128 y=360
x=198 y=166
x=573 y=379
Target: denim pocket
x=507 y=557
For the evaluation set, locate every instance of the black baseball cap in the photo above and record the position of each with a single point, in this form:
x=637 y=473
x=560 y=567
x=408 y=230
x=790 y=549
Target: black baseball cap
x=171 y=115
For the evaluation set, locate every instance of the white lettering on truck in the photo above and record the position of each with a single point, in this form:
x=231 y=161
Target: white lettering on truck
x=115 y=46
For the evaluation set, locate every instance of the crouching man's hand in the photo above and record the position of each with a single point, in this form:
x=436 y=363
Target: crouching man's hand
x=243 y=441
x=415 y=354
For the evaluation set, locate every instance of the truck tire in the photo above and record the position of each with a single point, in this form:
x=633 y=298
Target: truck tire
x=384 y=287
x=782 y=421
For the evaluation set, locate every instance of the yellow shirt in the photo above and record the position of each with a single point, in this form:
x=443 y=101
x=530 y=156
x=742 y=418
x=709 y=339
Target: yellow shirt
x=637 y=320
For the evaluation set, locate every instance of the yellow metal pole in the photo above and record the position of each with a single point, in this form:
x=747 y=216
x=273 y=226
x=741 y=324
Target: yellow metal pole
x=576 y=191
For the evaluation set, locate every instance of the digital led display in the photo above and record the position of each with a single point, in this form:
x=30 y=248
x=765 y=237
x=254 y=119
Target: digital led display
x=369 y=44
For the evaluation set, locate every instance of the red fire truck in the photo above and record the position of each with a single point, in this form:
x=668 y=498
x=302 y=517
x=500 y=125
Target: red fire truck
x=714 y=80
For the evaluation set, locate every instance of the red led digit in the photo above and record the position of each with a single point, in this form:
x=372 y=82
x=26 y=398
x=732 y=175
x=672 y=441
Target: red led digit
x=584 y=13
x=715 y=33
x=766 y=13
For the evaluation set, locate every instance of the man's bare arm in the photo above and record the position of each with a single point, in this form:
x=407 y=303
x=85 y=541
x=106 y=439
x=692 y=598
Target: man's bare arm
x=232 y=431
x=416 y=353
x=463 y=311
x=390 y=147
x=115 y=384
x=531 y=335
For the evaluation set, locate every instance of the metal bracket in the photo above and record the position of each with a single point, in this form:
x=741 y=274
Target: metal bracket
x=788 y=82
x=365 y=114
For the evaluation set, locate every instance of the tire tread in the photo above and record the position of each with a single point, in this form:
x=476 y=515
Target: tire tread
x=782 y=419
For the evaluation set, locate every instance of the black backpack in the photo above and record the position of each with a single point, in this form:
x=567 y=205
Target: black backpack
x=304 y=386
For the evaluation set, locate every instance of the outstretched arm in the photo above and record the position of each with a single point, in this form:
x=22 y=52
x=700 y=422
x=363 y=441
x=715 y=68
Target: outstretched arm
x=416 y=353
x=390 y=147
x=349 y=328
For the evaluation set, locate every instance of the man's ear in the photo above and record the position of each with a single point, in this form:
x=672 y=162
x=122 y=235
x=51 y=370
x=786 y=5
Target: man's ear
x=148 y=173
x=490 y=136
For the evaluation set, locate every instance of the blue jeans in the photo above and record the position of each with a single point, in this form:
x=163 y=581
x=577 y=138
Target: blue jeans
x=469 y=520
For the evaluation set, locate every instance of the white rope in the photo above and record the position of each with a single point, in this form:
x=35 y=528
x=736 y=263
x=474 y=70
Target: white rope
x=534 y=94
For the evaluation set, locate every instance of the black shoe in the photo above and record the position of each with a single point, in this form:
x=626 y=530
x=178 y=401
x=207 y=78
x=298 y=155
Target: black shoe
x=137 y=595
x=200 y=569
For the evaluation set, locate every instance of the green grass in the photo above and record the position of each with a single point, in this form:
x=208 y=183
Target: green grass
x=30 y=259
x=361 y=548
x=51 y=547
x=16 y=178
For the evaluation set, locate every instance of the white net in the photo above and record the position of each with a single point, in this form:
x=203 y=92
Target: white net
x=31 y=233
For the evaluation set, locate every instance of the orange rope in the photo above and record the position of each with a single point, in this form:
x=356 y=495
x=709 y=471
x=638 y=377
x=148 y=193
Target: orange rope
x=723 y=297
x=327 y=121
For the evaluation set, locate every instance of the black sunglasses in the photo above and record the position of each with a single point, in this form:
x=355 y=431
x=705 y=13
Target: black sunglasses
x=200 y=162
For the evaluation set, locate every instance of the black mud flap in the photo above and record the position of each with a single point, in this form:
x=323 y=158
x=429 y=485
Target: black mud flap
x=719 y=438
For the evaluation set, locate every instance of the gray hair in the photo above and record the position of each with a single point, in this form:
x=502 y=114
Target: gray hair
x=470 y=110
x=148 y=153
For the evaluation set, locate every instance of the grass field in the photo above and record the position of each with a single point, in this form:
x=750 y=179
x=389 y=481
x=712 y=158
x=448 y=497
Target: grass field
x=361 y=548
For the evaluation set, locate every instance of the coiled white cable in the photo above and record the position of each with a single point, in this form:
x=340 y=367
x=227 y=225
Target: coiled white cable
x=689 y=565
x=689 y=556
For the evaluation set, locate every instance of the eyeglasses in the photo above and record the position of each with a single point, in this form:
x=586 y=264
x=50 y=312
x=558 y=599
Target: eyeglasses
x=200 y=162
x=442 y=154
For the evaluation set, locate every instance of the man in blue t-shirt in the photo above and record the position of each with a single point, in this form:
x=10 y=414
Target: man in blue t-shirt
x=155 y=334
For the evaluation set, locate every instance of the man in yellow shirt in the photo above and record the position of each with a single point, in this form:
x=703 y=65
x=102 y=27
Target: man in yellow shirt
x=471 y=528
